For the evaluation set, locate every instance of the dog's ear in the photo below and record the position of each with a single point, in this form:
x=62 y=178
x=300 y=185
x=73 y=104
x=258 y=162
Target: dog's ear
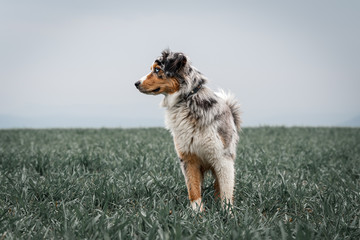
x=177 y=63
x=165 y=53
x=180 y=61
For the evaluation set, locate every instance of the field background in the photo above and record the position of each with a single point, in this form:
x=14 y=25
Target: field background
x=301 y=183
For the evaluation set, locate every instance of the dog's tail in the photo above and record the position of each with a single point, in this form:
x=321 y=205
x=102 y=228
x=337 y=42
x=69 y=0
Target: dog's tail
x=234 y=106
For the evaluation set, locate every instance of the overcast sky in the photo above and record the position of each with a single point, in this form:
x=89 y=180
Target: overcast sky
x=74 y=63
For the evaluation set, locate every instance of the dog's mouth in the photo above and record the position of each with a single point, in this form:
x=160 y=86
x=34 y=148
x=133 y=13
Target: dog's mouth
x=155 y=90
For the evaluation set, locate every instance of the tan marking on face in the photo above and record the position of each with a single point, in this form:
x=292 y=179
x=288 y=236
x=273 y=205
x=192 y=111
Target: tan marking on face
x=156 y=83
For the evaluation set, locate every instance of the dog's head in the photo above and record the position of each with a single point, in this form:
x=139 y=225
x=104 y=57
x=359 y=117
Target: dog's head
x=166 y=76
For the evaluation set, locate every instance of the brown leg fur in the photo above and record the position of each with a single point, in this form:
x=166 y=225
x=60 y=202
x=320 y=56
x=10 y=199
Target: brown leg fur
x=194 y=181
x=216 y=185
x=194 y=176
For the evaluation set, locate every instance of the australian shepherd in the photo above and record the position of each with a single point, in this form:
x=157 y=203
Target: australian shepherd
x=204 y=124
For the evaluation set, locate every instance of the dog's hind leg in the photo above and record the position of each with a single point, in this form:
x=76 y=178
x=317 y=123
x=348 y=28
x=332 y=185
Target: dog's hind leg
x=225 y=176
x=216 y=184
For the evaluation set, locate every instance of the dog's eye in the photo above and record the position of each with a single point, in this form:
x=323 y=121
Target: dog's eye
x=156 y=70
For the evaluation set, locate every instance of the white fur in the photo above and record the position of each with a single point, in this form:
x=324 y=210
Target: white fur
x=144 y=78
x=197 y=205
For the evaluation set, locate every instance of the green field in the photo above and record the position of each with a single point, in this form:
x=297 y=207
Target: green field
x=301 y=183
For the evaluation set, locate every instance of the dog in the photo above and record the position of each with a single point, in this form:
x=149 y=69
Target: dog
x=204 y=124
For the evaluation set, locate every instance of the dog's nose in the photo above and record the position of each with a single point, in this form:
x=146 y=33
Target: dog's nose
x=137 y=84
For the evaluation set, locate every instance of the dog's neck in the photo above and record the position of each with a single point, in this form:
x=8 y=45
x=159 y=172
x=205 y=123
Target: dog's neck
x=194 y=82
x=194 y=91
x=179 y=98
x=170 y=100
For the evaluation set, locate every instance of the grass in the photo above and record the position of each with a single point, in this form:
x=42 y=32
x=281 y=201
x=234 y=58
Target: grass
x=301 y=183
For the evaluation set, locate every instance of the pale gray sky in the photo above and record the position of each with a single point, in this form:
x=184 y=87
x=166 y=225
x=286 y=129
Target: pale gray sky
x=74 y=63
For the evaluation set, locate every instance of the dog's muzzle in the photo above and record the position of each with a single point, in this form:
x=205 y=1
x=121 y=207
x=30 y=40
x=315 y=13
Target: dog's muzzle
x=137 y=84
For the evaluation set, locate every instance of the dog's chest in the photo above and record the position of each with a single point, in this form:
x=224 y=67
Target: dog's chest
x=189 y=134
x=181 y=123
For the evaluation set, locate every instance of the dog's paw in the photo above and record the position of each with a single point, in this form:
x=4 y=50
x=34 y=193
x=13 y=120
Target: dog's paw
x=197 y=205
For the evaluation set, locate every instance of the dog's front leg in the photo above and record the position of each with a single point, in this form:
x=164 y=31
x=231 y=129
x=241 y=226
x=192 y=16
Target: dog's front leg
x=190 y=166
